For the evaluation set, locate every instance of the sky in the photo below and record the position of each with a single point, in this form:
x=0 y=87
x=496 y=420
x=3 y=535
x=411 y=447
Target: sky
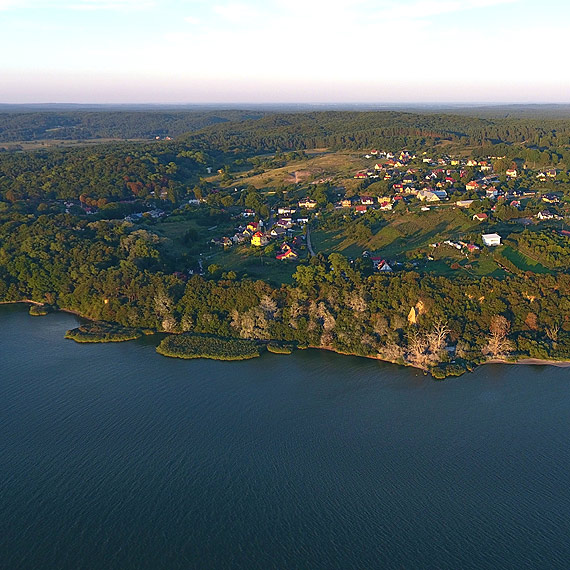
x=284 y=51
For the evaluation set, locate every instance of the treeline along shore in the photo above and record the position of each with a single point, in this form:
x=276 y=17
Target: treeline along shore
x=150 y=238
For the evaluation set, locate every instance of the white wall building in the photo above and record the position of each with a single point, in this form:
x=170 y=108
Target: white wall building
x=491 y=239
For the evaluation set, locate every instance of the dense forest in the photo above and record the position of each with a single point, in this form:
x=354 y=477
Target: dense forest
x=82 y=125
x=360 y=130
x=107 y=268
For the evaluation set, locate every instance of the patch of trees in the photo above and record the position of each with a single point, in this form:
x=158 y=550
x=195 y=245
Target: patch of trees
x=549 y=247
x=194 y=346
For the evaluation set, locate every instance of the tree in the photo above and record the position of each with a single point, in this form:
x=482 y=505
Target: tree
x=498 y=344
x=436 y=338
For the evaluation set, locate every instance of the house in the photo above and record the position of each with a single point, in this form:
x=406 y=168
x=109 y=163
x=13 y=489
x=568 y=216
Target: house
x=511 y=172
x=307 y=203
x=252 y=226
x=278 y=232
x=551 y=172
x=427 y=196
x=248 y=214
x=286 y=211
x=385 y=205
x=464 y=203
x=285 y=222
x=380 y=264
x=471 y=162
x=550 y=198
x=491 y=240
x=357 y=175
x=366 y=200
x=545 y=215
x=346 y=203
x=361 y=209
x=491 y=193
x=302 y=221
x=473 y=185
x=441 y=194
x=287 y=252
x=259 y=239
x=480 y=217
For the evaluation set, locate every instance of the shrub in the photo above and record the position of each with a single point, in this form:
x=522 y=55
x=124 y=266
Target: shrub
x=103 y=332
x=196 y=346
x=279 y=348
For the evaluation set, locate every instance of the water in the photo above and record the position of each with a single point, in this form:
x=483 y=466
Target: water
x=112 y=457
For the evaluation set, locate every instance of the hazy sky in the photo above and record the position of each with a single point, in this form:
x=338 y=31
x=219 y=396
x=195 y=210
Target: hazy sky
x=119 y=51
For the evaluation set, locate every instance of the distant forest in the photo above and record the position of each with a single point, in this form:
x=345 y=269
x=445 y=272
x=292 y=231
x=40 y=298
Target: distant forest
x=86 y=125
x=535 y=127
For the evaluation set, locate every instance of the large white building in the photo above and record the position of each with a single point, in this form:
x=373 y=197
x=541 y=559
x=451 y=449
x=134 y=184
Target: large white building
x=491 y=239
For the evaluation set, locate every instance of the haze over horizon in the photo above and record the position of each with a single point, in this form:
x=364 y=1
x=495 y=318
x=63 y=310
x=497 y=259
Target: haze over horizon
x=282 y=52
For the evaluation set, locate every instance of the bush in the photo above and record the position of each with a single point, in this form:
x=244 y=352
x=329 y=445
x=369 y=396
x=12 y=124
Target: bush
x=443 y=371
x=195 y=346
x=103 y=332
x=40 y=310
x=278 y=348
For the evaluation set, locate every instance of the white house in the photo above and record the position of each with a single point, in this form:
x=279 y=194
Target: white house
x=491 y=240
x=427 y=196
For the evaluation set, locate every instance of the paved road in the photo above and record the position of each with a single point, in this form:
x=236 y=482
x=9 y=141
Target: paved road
x=309 y=245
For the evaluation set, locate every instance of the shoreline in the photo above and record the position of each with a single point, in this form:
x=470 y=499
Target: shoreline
x=521 y=361
x=530 y=362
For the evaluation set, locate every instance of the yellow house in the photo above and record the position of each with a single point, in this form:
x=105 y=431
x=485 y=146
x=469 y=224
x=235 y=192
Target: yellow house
x=259 y=239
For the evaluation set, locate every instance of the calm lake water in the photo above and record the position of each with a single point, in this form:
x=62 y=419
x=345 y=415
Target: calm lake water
x=113 y=457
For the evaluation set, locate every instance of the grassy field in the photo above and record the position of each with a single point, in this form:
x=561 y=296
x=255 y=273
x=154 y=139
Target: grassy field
x=338 y=165
x=401 y=234
x=524 y=262
x=244 y=260
x=53 y=143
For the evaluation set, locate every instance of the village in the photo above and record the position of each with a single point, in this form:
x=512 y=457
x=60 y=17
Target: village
x=400 y=210
x=490 y=192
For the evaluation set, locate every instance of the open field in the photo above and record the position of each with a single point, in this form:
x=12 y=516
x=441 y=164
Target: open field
x=52 y=143
x=243 y=260
x=523 y=262
x=402 y=233
x=338 y=165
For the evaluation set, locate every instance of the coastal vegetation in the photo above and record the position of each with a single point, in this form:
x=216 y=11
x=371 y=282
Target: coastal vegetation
x=196 y=346
x=40 y=310
x=280 y=348
x=278 y=231
x=103 y=332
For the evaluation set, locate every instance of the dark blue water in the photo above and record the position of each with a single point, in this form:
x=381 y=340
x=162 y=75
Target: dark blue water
x=112 y=457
